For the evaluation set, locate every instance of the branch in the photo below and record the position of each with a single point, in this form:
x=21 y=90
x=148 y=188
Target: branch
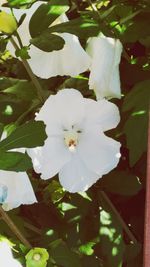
x=122 y=222
x=14 y=228
x=31 y=74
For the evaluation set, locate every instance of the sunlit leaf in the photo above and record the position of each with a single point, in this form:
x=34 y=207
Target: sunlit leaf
x=30 y=134
x=46 y=14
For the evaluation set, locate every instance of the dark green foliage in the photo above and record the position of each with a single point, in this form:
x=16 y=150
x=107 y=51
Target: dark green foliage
x=81 y=230
x=46 y=14
x=48 y=42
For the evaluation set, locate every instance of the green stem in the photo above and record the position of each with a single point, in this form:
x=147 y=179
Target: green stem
x=31 y=74
x=21 y=118
x=92 y=6
x=19 y=39
x=14 y=228
x=95 y=10
x=120 y=219
x=33 y=228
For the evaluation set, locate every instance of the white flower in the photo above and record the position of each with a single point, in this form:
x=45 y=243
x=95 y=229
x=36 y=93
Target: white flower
x=70 y=60
x=104 y=77
x=76 y=147
x=6 y=257
x=15 y=187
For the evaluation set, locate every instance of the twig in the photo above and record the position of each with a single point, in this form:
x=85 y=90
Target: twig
x=14 y=228
x=33 y=228
x=31 y=74
x=95 y=10
x=93 y=6
x=122 y=222
x=22 y=116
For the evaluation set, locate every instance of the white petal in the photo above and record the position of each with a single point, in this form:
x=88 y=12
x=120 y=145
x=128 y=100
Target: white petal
x=15 y=189
x=104 y=76
x=76 y=177
x=61 y=111
x=103 y=113
x=6 y=257
x=70 y=60
x=50 y=158
x=99 y=152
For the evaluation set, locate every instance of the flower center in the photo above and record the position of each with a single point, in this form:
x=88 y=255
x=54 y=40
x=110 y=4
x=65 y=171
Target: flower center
x=71 y=138
x=37 y=257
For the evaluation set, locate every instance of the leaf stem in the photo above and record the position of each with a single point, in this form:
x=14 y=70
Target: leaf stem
x=95 y=10
x=92 y=6
x=22 y=116
x=14 y=228
x=31 y=74
x=120 y=219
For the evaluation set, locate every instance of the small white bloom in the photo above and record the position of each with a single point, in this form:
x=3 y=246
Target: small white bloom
x=76 y=147
x=15 y=187
x=6 y=257
x=70 y=60
x=104 y=77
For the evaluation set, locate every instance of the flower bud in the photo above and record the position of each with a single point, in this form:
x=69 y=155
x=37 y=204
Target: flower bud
x=37 y=257
x=8 y=23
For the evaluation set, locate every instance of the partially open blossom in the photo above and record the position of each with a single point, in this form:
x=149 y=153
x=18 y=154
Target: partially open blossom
x=104 y=77
x=70 y=60
x=15 y=187
x=37 y=257
x=7 y=23
x=6 y=256
x=76 y=147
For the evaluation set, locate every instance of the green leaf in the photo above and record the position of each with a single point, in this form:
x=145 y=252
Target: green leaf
x=87 y=249
x=46 y=14
x=19 y=2
x=136 y=127
x=31 y=134
x=3 y=44
x=111 y=246
x=122 y=183
x=15 y=161
x=1 y=129
x=23 y=52
x=82 y=27
x=48 y=42
x=138 y=28
x=22 y=89
x=7 y=82
x=63 y=256
x=54 y=191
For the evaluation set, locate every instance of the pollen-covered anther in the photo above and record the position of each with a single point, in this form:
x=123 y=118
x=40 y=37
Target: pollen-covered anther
x=71 y=140
x=72 y=143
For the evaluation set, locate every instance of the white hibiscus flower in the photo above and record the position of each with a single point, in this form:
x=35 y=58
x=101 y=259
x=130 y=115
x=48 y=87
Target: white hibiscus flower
x=6 y=256
x=15 y=187
x=70 y=60
x=76 y=147
x=104 y=77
